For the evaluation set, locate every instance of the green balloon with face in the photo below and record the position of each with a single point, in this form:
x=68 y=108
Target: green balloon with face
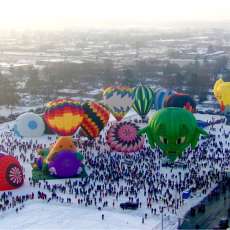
x=173 y=130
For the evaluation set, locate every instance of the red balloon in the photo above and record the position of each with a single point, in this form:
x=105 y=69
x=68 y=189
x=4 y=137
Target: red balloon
x=11 y=174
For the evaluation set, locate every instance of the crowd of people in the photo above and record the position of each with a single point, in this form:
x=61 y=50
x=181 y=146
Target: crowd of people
x=113 y=178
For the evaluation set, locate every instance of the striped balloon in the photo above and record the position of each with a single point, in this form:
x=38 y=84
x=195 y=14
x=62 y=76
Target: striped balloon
x=64 y=116
x=143 y=100
x=96 y=117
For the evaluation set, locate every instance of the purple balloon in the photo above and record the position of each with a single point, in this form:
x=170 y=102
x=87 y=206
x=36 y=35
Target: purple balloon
x=2 y=155
x=65 y=164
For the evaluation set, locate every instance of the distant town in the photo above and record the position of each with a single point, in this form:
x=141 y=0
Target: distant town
x=37 y=66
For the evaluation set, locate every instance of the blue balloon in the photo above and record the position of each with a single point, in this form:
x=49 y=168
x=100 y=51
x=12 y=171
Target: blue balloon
x=160 y=96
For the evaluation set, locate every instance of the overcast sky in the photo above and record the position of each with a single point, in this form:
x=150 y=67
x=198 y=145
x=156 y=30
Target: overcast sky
x=65 y=13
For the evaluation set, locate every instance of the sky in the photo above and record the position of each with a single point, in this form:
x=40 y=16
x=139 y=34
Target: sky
x=67 y=13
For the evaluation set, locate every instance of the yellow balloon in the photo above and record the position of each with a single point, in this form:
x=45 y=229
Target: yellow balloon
x=221 y=91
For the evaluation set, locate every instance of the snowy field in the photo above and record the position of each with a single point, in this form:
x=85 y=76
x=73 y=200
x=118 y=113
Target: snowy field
x=39 y=214
x=53 y=216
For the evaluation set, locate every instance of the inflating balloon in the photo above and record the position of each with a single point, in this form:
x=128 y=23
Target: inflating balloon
x=96 y=117
x=122 y=137
x=161 y=95
x=61 y=161
x=30 y=125
x=143 y=100
x=65 y=164
x=222 y=93
x=173 y=130
x=64 y=116
x=119 y=99
x=62 y=143
x=180 y=100
x=11 y=174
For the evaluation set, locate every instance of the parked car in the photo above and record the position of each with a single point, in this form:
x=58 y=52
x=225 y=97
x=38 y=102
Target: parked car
x=129 y=205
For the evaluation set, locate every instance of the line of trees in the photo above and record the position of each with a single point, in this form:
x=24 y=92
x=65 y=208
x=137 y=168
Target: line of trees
x=196 y=78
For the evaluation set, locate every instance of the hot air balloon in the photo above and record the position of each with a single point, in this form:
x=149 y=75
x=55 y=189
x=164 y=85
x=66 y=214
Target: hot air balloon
x=11 y=174
x=60 y=161
x=143 y=100
x=62 y=143
x=122 y=137
x=119 y=99
x=181 y=101
x=173 y=130
x=161 y=95
x=96 y=116
x=65 y=164
x=29 y=125
x=64 y=116
x=222 y=93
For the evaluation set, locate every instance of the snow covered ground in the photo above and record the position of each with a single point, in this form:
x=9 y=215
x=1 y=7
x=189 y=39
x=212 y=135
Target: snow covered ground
x=6 y=111
x=42 y=215
x=52 y=216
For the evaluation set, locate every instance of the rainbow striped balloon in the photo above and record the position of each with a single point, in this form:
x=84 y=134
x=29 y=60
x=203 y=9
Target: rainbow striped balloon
x=95 y=118
x=64 y=116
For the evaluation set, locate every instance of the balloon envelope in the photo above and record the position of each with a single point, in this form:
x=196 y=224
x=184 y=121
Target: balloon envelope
x=173 y=130
x=119 y=99
x=221 y=91
x=161 y=96
x=65 y=164
x=122 y=137
x=181 y=101
x=64 y=116
x=96 y=117
x=29 y=125
x=143 y=100
x=62 y=143
x=11 y=174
